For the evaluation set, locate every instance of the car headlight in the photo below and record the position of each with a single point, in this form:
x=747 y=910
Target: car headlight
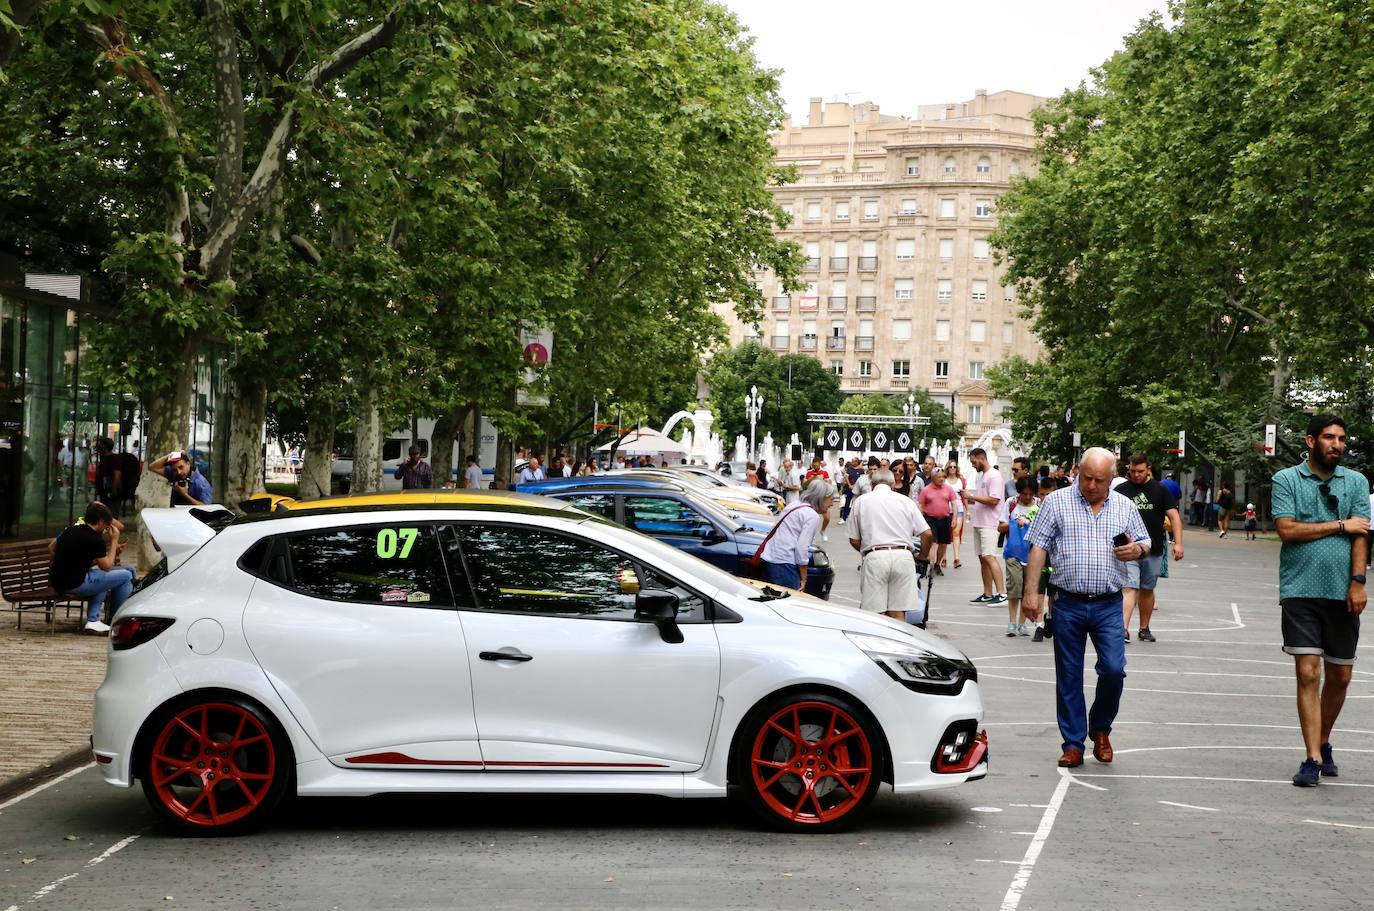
x=820 y=558
x=914 y=667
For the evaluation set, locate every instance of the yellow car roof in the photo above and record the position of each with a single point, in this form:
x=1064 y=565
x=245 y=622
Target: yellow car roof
x=500 y=500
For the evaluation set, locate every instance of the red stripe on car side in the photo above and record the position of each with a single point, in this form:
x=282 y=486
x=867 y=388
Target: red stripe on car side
x=403 y=759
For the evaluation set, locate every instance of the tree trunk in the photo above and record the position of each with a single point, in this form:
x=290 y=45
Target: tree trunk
x=441 y=444
x=314 y=479
x=505 y=460
x=169 y=428
x=367 y=451
x=245 y=443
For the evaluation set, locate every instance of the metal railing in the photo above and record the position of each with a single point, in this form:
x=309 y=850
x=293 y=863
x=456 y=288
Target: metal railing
x=837 y=303
x=863 y=343
x=782 y=303
x=808 y=343
x=834 y=343
x=868 y=264
x=779 y=342
x=812 y=263
x=867 y=304
x=839 y=264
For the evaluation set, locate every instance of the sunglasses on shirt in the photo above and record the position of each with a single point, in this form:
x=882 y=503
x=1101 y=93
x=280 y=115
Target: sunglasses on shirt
x=1332 y=500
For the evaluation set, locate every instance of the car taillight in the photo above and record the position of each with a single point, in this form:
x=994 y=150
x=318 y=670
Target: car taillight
x=131 y=631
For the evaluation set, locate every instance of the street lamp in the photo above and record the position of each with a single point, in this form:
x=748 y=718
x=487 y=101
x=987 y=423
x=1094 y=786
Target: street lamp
x=753 y=407
x=909 y=407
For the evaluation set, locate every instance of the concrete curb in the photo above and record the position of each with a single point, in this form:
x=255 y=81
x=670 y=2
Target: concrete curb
x=64 y=763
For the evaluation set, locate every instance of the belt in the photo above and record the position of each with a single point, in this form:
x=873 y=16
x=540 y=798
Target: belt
x=886 y=547
x=1100 y=596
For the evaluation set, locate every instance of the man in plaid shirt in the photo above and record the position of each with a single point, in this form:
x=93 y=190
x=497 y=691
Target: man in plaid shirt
x=1087 y=534
x=414 y=473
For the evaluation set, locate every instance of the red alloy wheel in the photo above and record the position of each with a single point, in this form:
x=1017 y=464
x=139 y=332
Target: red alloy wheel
x=812 y=763
x=213 y=764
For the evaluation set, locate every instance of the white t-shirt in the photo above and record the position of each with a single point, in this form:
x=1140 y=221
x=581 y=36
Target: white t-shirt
x=883 y=516
x=474 y=476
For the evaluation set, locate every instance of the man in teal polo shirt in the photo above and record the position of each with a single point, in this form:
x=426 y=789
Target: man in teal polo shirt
x=1322 y=514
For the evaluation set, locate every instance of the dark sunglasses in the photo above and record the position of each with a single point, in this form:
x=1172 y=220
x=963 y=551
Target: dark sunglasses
x=1331 y=499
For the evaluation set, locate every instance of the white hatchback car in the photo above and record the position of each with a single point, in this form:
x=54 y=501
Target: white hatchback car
x=494 y=642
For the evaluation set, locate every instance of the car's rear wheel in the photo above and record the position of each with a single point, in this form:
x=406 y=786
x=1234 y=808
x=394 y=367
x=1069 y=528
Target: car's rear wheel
x=216 y=766
x=808 y=762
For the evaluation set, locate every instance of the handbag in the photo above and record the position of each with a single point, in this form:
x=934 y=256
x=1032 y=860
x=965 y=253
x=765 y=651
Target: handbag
x=756 y=560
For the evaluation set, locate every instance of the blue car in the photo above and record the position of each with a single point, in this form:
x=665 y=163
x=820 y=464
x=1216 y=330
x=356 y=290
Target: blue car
x=681 y=517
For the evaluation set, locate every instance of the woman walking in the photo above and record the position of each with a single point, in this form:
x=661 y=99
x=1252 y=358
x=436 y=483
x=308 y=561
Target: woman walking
x=936 y=502
x=956 y=530
x=1226 y=504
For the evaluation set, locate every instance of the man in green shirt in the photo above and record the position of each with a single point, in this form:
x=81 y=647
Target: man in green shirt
x=1322 y=514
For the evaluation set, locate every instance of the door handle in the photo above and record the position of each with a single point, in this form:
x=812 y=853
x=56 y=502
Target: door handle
x=504 y=656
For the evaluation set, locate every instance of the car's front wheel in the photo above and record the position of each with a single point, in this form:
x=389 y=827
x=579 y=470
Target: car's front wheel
x=217 y=765
x=808 y=762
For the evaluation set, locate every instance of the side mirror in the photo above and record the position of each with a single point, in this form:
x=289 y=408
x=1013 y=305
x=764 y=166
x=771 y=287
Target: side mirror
x=712 y=535
x=659 y=608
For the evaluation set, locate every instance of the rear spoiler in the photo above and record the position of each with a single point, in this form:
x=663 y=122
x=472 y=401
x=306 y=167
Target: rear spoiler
x=179 y=531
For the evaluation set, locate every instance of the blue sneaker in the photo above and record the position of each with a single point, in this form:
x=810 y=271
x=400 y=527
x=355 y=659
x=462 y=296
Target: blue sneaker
x=1329 y=769
x=1309 y=774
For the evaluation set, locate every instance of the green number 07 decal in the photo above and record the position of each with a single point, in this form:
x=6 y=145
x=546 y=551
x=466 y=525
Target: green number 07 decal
x=390 y=540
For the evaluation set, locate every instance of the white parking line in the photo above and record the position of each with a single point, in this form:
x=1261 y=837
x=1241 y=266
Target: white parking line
x=1023 y=871
x=1188 y=806
x=44 y=786
x=1180 y=724
x=101 y=858
x=1338 y=825
x=1325 y=783
x=1140 y=689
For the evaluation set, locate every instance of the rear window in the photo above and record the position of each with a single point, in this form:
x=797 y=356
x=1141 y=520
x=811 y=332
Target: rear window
x=393 y=564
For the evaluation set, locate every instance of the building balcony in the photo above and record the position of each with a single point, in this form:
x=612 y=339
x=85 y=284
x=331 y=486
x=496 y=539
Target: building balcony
x=812 y=263
x=839 y=264
x=782 y=303
x=834 y=343
x=863 y=343
x=837 y=304
x=807 y=343
x=867 y=304
x=809 y=303
x=779 y=342
x=868 y=264
x=861 y=381
x=900 y=380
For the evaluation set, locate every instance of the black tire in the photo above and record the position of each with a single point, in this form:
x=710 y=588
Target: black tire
x=215 y=764
x=807 y=762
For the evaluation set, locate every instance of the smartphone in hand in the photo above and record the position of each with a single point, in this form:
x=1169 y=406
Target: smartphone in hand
x=1121 y=540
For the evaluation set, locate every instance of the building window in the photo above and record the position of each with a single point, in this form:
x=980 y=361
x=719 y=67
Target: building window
x=942 y=370
x=947 y=209
x=980 y=248
x=980 y=289
x=946 y=248
x=901 y=330
x=865 y=368
x=906 y=248
x=1008 y=293
x=1008 y=332
x=984 y=165
x=870 y=209
x=951 y=166
x=902 y=288
x=813 y=210
x=982 y=208
x=913 y=167
x=842 y=211
x=837 y=368
x=751 y=332
x=901 y=369
x=1015 y=167
x=977 y=331
x=788 y=209
x=975 y=414
x=908 y=207
x=944 y=289
x=942 y=330
x=975 y=370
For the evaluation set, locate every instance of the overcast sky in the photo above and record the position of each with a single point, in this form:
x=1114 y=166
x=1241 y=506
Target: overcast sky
x=904 y=53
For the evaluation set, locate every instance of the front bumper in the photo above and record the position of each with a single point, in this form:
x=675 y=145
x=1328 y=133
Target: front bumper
x=916 y=725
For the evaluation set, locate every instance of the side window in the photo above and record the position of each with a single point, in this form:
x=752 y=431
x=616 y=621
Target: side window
x=394 y=564
x=529 y=570
x=599 y=504
x=391 y=450
x=664 y=516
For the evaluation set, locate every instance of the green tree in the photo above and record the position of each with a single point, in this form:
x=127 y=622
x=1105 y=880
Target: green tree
x=792 y=386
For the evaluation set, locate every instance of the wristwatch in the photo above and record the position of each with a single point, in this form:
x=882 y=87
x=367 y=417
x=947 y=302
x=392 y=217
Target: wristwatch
x=1357 y=578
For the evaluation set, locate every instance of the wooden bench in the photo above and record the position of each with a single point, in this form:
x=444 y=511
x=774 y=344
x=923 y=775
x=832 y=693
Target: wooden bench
x=24 y=581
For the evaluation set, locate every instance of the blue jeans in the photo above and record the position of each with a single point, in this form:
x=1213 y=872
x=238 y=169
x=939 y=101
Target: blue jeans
x=1075 y=622
x=118 y=583
x=848 y=504
x=781 y=574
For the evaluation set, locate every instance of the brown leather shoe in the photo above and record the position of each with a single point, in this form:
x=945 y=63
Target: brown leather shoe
x=1102 y=747
x=1071 y=759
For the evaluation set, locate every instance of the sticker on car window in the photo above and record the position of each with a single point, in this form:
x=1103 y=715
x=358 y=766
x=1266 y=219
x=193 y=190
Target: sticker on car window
x=396 y=542
x=417 y=597
x=395 y=595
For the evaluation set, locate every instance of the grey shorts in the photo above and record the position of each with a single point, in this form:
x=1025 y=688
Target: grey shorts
x=1016 y=575
x=1143 y=573
x=1320 y=626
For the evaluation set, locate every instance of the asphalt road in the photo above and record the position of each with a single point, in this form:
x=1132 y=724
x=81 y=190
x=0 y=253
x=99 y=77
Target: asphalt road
x=1197 y=810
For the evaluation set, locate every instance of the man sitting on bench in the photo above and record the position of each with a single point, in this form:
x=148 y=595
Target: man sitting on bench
x=83 y=564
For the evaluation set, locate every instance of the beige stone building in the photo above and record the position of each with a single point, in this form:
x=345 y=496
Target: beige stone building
x=893 y=214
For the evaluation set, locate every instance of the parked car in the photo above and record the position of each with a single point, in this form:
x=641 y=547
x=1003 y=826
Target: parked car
x=681 y=517
x=457 y=642
x=741 y=495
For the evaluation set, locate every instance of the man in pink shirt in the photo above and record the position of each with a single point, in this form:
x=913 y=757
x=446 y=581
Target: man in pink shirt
x=984 y=511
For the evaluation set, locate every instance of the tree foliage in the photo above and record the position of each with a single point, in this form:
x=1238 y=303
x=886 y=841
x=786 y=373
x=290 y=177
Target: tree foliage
x=1195 y=248
x=792 y=385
